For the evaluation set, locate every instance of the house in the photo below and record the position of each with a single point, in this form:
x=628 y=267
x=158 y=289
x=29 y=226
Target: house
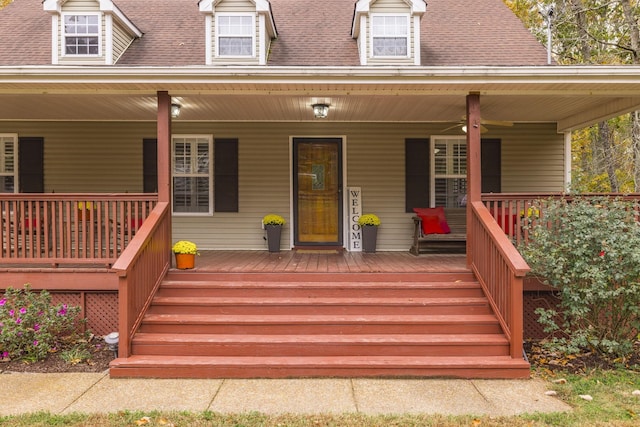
x=125 y=127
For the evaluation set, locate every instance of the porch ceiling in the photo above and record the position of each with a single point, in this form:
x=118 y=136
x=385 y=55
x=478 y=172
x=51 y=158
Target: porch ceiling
x=570 y=96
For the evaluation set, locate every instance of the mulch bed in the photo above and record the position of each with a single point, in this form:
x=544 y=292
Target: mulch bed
x=540 y=359
x=99 y=362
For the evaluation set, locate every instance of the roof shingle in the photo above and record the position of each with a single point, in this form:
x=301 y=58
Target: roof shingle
x=310 y=33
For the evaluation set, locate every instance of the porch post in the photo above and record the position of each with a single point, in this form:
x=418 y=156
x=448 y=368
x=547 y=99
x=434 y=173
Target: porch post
x=164 y=146
x=474 y=184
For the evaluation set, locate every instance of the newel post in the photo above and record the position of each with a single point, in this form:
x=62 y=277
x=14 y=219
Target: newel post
x=474 y=184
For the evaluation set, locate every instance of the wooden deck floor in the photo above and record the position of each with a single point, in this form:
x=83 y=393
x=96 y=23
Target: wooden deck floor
x=320 y=262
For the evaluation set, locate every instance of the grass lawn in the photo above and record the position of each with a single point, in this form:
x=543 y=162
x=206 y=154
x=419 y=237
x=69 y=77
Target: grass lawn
x=612 y=404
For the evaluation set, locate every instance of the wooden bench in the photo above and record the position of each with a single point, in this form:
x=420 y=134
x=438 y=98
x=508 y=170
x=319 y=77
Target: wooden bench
x=457 y=220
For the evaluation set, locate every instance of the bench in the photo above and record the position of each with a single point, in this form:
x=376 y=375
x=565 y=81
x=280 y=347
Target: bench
x=457 y=220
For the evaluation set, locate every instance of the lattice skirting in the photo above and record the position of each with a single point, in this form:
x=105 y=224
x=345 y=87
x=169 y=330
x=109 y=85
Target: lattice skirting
x=532 y=301
x=99 y=308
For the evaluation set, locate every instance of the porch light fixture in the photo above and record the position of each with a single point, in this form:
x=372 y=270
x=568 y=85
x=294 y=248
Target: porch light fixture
x=175 y=110
x=320 y=111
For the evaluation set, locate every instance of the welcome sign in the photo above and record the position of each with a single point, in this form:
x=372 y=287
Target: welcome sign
x=355 y=210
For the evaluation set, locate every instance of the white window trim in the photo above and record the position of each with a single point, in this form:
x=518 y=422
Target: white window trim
x=211 y=160
x=15 y=175
x=253 y=34
x=407 y=17
x=63 y=35
x=432 y=164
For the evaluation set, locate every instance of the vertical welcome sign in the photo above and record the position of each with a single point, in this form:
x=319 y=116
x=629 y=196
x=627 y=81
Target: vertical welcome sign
x=355 y=210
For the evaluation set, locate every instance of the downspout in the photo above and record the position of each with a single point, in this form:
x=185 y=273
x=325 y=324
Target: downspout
x=474 y=185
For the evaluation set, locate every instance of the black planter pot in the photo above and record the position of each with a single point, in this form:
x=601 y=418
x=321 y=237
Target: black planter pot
x=369 y=237
x=273 y=237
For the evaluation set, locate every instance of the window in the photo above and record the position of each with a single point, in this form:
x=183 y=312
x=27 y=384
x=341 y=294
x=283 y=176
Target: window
x=390 y=35
x=449 y=165
x=235 y=35
x=192 y=174
x=81 y=35
x=8 y=144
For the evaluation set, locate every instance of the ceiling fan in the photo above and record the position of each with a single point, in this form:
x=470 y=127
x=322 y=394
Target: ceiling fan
x=462 y=124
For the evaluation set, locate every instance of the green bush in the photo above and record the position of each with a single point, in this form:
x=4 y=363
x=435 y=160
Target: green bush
x=31 y=327
x=589 y=250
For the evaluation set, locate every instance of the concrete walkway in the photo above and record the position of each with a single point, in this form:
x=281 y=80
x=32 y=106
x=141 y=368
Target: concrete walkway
x=97 y=393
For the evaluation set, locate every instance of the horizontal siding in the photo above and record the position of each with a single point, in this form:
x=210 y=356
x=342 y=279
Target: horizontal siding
x=81 y=6
x=121 y=41
x=235 y=6
x=107 y=157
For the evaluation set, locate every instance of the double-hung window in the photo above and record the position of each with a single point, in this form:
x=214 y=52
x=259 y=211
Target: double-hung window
x=8 y=163
x=235 y=35
x=82 y=34
x=390 y=35
x=449 y=167
x=192 y=175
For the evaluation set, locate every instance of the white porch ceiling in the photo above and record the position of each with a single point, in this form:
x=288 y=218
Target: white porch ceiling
x=571 y=97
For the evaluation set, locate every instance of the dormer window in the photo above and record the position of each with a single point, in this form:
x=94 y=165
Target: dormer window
x=87 y=32
x=81 y=34
x=390 y=35
x=388 y=32
x=235 y=34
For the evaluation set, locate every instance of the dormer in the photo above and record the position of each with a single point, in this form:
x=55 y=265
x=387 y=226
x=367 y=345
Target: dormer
x=388 y=31
x=238 y=31
x=88 y=32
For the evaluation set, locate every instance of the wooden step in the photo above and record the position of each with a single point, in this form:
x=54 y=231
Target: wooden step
x=336 y=366
x=317 y=305
x=320 y=345
x=320 y=324
x=247 y=325
x=220 y=288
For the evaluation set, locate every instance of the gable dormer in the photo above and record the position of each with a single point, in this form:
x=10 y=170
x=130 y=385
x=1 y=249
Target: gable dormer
x=238 y=31
x=88 y=32
x=388 y=31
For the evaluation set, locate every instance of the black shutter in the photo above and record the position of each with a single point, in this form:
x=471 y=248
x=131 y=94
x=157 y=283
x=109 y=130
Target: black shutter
x=416 y=173
x=150 y=165
x=225 y=177
x=31 y=164
x=491 y=169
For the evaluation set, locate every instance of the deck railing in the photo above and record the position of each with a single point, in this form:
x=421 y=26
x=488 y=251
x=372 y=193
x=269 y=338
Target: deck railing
x=53 y=228
x=500 y=269
x=516 y=213
x=141 y=269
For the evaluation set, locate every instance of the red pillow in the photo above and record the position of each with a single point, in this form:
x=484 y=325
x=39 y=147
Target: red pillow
x=431 y=224
x=437 y=211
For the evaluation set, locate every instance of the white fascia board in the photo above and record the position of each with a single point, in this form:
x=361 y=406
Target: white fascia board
x=108 y=6
x=361 y=9
x=52 y=5
x=205 y=6
x=540 y=79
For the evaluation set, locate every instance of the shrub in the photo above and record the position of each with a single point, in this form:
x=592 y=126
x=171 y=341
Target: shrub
x=31 y=327
x=588 y=250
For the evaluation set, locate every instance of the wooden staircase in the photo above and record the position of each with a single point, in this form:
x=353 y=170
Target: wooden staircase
x=277 y=325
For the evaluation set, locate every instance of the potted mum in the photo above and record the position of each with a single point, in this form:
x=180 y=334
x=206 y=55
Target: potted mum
x=369 y=225
x=186 y=252
x=273 y=224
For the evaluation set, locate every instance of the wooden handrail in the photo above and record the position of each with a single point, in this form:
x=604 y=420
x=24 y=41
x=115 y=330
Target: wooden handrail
x=57 y=228
x=500 y=269
x=140 y=269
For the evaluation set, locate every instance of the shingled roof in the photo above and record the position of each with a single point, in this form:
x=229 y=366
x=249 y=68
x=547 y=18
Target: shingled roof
x=310 y=33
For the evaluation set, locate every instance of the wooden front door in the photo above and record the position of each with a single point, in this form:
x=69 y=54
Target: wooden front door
x=317 y=187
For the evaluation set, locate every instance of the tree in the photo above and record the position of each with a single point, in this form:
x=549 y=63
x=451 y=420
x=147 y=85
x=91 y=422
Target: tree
x=606 y=157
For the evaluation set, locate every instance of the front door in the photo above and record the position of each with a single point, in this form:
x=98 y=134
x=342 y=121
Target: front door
x=317 y=189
